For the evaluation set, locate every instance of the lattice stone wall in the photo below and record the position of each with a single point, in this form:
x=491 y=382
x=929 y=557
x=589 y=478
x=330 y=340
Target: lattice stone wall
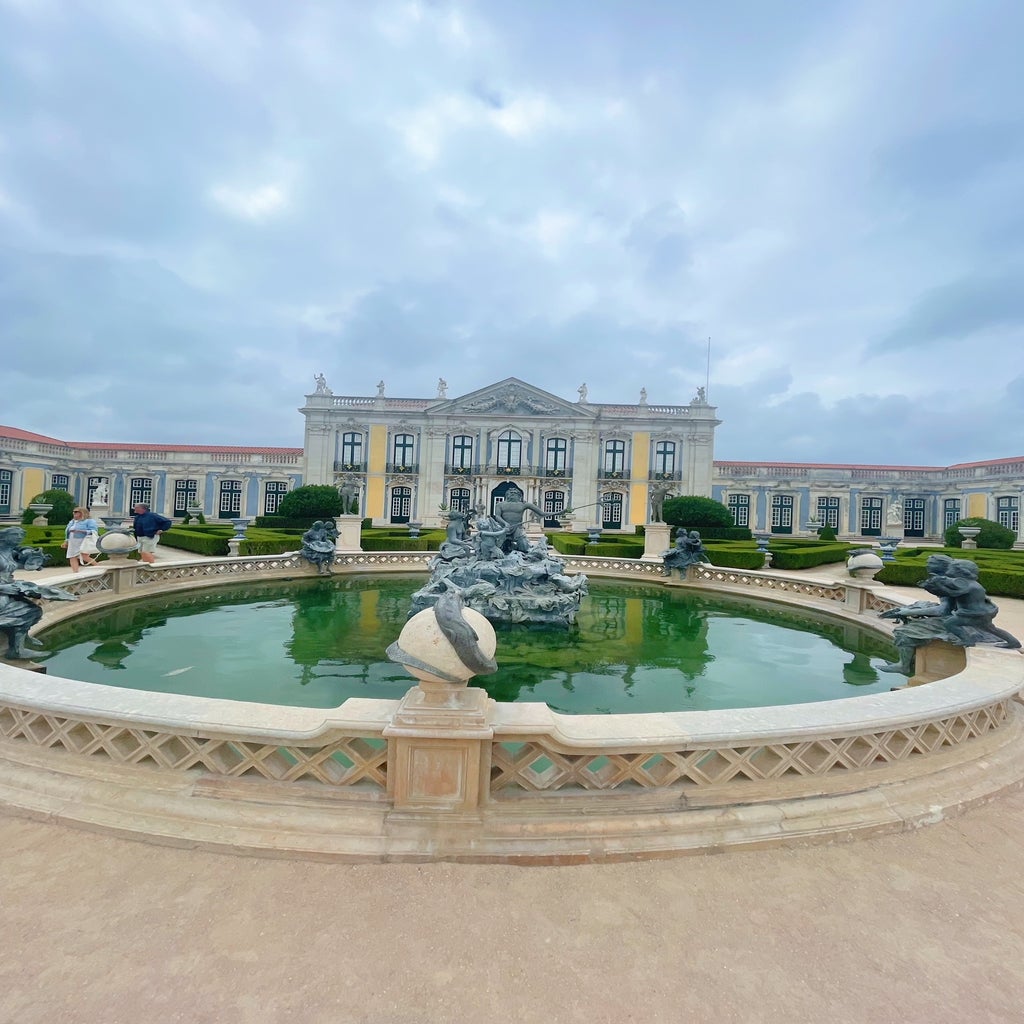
x=345 y=761
x=537 y=766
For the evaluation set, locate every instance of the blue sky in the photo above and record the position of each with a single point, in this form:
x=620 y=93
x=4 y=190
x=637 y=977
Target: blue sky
x=204 y=203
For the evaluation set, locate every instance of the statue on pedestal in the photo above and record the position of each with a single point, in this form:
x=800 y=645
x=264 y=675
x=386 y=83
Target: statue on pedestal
x=963 y=616
x=318 y=546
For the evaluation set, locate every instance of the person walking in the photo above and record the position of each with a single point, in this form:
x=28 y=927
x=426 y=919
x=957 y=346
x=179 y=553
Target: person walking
x=80 y=536
x=148 y=526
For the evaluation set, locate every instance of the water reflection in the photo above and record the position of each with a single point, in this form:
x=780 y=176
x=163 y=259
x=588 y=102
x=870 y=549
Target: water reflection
x=316 y=642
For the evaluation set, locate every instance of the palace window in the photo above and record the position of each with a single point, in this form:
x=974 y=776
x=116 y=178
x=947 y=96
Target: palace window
x=6 y=481
x=828 y=512
x=510 y=451
x=276 y=490
x=140 y=492
x=739 y=506
x=614 y=457
x=611 y=511
x=186 y=493
x=665 y=460
x=60 y=482
x=230 y=504
x=950 y=512
x=352 y=450
x=556 y=455
x=871 y=517
x=462 y=452
x=401 y=504
x=782 y=513
x=913 y=517
x=458 y=499
x=402 y=450
x=554 y=503
x=1008 y=513
x=90 y=490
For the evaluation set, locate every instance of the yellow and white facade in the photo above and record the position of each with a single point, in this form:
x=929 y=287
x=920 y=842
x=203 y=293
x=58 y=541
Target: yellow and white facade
x=411 y=458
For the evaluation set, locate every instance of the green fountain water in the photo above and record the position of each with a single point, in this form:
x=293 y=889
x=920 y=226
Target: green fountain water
x=315 y=643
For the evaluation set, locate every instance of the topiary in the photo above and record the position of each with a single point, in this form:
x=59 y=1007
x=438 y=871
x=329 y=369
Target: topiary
x=314 y=501
x=62 y=502
x=692 y=512
x=992 y=534
x=827 y=533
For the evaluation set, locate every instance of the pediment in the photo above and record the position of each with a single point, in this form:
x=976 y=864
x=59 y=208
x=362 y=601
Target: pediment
x=514 y=397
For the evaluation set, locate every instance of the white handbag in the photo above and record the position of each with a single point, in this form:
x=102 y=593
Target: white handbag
x=89 y=545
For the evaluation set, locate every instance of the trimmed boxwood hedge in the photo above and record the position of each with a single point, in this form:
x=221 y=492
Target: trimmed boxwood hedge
x=1000 y=572
x=720 y=532
x=198 y=540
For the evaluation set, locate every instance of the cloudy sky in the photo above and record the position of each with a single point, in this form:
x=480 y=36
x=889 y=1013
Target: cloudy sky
x=205 y=202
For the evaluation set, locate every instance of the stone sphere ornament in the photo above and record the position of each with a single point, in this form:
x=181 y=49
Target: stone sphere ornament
x=117 y=543
x=447 y=643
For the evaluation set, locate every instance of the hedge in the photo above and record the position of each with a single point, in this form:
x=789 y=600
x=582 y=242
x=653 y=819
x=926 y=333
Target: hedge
x=721 y=532
x=807 y=557
x=201 y=543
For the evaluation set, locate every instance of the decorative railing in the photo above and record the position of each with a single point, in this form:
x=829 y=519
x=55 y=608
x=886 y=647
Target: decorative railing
x=350 y=467
x=410 y=468
x=543 y=765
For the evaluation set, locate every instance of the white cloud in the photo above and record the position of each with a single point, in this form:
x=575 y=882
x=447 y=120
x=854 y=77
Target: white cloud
x=254 y=204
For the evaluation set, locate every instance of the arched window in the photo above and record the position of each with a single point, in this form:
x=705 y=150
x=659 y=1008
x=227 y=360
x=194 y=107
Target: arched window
x=352 y=450
x=665 y=459
x=462 y=453
x=614 y=457
x=510 y=451
x=402 y=450
x=556 y=456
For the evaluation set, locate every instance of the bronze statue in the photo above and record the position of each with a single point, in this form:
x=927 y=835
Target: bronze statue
x=19 y=611
x=689 y=550
x=963 y=616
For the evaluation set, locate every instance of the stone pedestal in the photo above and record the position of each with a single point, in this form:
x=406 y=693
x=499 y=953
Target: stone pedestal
x=656 y=541
x=439 y=747
x=348 y=527
x=937 y=660
x=233 y=545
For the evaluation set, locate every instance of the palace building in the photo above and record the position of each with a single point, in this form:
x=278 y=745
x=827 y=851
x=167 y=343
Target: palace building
x=409 y=459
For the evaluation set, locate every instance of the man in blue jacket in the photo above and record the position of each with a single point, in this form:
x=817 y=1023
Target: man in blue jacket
x=148 y=526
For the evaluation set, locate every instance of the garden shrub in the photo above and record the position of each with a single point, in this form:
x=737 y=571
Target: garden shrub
x=315 y=501
x=695 y=512
x=808 y=556
x=992 y=534
x=201 y=543
x=59 y=515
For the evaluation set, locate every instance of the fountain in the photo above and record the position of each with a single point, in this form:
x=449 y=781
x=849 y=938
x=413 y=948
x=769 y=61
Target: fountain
x=498 y=573
x=463 y=776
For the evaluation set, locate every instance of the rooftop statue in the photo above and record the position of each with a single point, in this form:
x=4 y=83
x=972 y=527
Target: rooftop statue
x=582 y=389
x=318 y=546
x=442 y=387
x=321 y=385
x=19 y=611
x=689 y=550
x=963 y=616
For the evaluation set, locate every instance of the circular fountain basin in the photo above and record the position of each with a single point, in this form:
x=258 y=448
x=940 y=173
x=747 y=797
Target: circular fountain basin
x=636 y=648
x=475 y=779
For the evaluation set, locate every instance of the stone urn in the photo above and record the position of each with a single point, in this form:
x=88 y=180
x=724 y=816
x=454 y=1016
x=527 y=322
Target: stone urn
x=863 y=564
x=967 y=532
x=41 y=509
